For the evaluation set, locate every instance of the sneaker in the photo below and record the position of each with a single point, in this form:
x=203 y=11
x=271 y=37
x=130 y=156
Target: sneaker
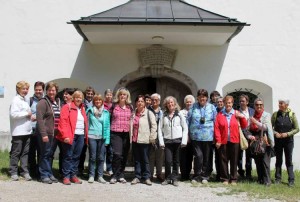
x=122 y=180
x=113 y=181
x=135 y=181
x=160 y=178
x=91 y=179
x=53 y=179
x=101 y=180
x=75 y=180
x=27 y=177
x=110 y=173
x=14 y=177
x=148 y=182
x=46 y=180
x=66 y=181
x=193 y=181
x=175 y=183
x=204 y=181
x=291 y=184
x=166 y=182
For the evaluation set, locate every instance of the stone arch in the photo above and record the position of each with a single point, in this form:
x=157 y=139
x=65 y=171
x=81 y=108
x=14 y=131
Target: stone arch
x=254 y=87
x=157 y=72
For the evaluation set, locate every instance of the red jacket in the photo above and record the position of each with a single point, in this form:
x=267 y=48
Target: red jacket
x=221 y=128
x=68 y=120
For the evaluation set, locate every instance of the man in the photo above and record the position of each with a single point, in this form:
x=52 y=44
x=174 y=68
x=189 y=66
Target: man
x=156 y=153
x=148 y=100
x=34 y=152
x=248 y=112
x=88 y=102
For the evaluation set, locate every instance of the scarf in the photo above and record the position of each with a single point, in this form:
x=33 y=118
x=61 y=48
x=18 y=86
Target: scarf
x=98 y=112
x=257 y=116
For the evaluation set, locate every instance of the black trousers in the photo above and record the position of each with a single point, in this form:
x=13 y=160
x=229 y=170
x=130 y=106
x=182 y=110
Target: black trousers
x=34 y=156
x=202 y=160
x=248 y=163
x=186 y=161
x=285 y=145
x=120 y=142
x=172 y=160
x=263 y=167
x=19 y=152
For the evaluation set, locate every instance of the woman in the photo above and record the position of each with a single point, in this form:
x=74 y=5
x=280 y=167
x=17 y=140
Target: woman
x=47 y=116
x=73 y=129
x=20 y=122
x=261 y=120
x=172 y=134
x=121 y=112
x=285 y=126
x=201 y=119
x=227 y=138
x=143 y=133
x=108 y=94
x=67 y=96
x=186 y=153
x=98 y=137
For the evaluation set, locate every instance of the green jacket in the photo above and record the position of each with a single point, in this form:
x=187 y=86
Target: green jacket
x=293 y=119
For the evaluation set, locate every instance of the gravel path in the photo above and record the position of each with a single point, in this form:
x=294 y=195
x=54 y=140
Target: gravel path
x=36 y=191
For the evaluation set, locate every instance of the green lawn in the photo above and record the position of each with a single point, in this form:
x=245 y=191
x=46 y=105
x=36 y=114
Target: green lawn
x=280 y=192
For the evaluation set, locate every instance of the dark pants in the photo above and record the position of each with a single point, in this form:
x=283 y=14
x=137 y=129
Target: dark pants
x=46 y=153
x=109 y=157
x=34 y=156
x=286 y=145
x=217 y=162
x=121 y=144
x=19 y=152
x=229 y=153
x=96 y=156
x=172 y=160
x=263 y=167
x=141 y=160
x=71 y=156
x=248 y=163
x=156 y=158
x=56 y=143
x=82 y=158
x=186 y=161
x=202 y=160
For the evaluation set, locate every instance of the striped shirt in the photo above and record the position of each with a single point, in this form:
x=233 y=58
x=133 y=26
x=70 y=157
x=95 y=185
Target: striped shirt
x=56 y=112
x=120 y=121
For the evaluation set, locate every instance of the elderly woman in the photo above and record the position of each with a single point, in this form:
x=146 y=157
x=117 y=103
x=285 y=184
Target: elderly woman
x=261 y=120
x=20 y=122
x=98 y=137
x=172 y=134
x=47 y=116
x=227 y=138
x=186 y=153
x=143 y=133
x=285 y=126
x=73 y=128
x=201 y=119
x=121 y=112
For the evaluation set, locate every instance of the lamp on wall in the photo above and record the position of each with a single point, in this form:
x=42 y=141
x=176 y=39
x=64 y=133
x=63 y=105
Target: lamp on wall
x=157 y=39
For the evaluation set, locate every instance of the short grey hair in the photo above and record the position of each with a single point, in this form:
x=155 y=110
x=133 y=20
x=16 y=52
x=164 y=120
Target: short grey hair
x=258 y=99
x=189 y=97
x=155 y=95
x=286 y=101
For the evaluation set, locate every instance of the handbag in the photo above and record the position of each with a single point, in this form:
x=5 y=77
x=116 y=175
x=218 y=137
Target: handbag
x=258 y=146
x=243 y=141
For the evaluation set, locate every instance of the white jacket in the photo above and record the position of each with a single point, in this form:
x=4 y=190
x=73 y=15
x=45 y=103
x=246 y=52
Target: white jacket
x=20 y=123
x=172 y=128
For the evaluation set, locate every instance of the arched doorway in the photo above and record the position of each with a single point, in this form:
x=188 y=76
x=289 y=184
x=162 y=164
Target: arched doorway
x=164 y=86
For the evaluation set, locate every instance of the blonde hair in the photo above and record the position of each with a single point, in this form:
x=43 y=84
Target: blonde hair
x=21 y=84
x=125 y=91
x=189 y=97
x=77 y=94
x=227 y=97
x=97 y=97
x=167 y=99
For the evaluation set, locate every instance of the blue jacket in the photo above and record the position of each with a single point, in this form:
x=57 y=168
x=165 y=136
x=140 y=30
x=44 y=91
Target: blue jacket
x=96 y=124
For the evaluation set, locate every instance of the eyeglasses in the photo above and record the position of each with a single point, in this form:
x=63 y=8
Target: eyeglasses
x=156 y=100
x=259 y=105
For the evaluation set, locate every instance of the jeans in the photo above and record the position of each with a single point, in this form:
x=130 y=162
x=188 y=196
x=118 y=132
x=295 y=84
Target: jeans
x=172 y=160
x=156 y=159
x=19 y=152
x=109 y=157
x=82 y=158
x=97 y=156
x=56 y=143
x=45 y=163
x=71 y=156
x=141 y=160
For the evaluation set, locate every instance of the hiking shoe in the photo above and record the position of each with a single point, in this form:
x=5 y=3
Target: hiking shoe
x=46 y=180
x=53 y=179
x=91 y=179
x=110 y=173
x=148 y=182
x=175 y=183
x=14 y=177
x=166 y=182
x=66 y=181
x=101 y=180
x=113 y=181
x=75 y=180
x=291 y=184
x=135 y=181
x=277 y=181
x=204 y=181
x=122 y=180
x=27 y=177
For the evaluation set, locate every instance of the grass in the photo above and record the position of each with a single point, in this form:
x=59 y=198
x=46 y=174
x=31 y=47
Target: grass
x=275 y=191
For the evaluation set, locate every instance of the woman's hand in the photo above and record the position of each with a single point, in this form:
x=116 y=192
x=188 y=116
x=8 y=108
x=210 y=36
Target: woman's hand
x=218 y=145
x=67 y=140
x=238 y=114
x=251 y=137
x=45 y=139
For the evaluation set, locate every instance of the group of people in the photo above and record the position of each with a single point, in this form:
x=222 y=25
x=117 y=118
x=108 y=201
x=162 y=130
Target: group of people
x=182 y=140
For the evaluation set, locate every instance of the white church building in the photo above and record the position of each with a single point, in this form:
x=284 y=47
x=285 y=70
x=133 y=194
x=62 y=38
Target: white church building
x=172 y=47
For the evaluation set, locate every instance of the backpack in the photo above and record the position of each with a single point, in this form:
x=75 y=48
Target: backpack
x=30 y=101
x=291 y=115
